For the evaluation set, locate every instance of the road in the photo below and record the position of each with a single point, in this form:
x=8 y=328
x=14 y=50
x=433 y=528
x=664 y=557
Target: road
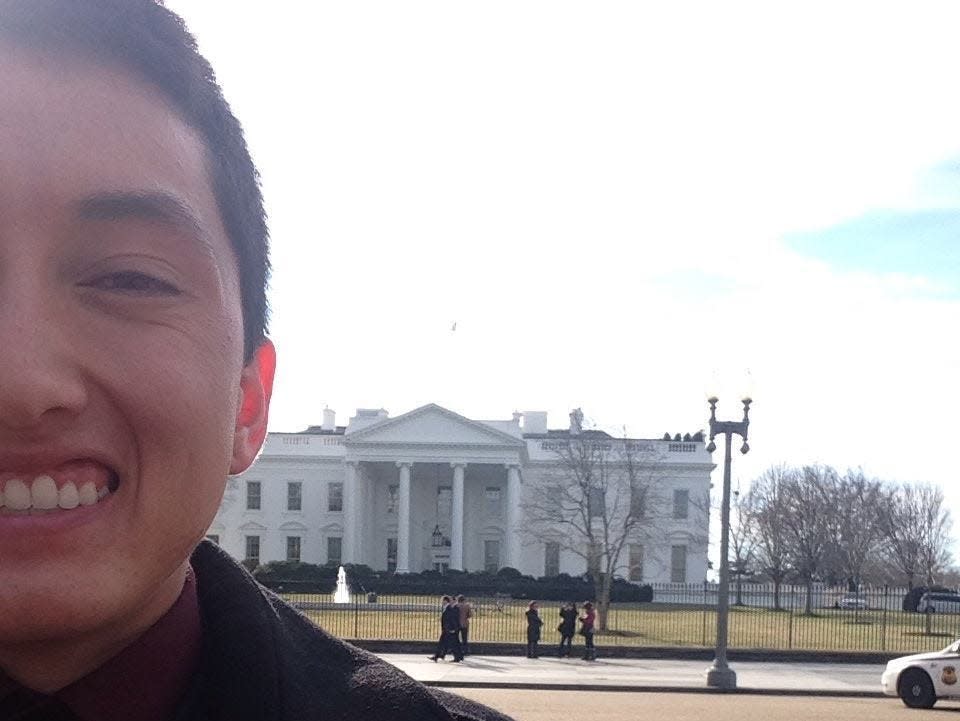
x=630 y=706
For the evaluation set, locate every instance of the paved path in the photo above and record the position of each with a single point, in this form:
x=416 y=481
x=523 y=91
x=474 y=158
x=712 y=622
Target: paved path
x=823 y=679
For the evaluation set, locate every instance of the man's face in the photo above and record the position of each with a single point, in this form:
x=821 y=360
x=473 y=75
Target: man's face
x=122 y=386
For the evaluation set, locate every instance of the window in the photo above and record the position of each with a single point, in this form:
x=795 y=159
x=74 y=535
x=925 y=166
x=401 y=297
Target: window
x=391 y=555
x=334 y=550
x=293 y=548
x=492 y=497
x=253 y=495
x=252 y=550
x=491 y=555
x=214 y=537
x=393 y=498
x=294 y=496
x=678 y=564
x=681 y=503
x=335 y=497
x=444 y=504
x=594 y=559
x=635 y=572
x=551 y=559
x=638 y=501
x=595 y=502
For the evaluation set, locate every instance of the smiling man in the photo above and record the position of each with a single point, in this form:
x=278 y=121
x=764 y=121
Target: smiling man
x=136 y=375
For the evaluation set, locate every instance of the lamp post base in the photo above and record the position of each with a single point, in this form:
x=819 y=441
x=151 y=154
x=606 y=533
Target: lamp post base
x=721 y=677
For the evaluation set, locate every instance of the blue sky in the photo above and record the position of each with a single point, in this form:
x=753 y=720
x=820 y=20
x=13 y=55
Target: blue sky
x=923 y=243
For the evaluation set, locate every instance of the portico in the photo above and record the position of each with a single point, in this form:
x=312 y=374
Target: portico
x=444 y=465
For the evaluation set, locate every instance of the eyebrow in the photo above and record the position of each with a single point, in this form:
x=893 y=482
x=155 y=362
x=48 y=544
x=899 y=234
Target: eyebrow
x=155 y=207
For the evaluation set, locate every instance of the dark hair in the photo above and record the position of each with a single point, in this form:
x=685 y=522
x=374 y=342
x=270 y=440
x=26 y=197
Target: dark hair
x=461 y=597
x=446 y=599
x=150 y=41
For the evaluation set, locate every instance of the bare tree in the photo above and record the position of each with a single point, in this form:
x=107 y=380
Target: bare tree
x=900 y=523
x=934 y=532
x=853 y=511
x=743 y=540
x=767 y=504
x=807 y=521
x=604 y=494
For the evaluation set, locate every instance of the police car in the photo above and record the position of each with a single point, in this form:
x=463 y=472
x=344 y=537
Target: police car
x=922 y=678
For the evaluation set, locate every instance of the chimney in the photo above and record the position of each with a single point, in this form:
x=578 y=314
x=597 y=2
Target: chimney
x=516 y=418
x=329 y=420
x=576 y=422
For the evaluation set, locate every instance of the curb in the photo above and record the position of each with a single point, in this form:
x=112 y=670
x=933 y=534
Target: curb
x=622 y=688
x=676 y=653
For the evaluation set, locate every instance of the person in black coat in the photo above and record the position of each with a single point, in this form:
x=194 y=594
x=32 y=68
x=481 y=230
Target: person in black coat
x=449 y=632
x=534 y=622
x=567 y=629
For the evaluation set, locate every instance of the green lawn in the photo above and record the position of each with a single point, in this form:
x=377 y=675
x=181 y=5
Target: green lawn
x=417 y=619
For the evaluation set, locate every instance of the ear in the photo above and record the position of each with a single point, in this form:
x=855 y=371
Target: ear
x=256 y=387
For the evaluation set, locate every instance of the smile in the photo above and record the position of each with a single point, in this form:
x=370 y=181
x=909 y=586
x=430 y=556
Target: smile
x=64 y=489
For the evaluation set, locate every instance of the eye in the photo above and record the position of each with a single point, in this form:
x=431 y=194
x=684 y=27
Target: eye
x=133 y=283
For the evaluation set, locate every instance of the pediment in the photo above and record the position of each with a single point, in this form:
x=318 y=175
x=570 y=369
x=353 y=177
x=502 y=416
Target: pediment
x=435 y=426
x=252 y=526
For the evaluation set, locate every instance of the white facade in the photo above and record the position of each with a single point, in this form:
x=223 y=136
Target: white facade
x=432 y=489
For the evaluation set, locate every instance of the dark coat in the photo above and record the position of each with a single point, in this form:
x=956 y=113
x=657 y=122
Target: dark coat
x=262 y=659
x=450 y=618
x=534 y=622
x=568 y=626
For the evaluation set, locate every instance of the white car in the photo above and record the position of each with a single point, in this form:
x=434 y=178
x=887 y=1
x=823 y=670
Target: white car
x=922 y=678
x=852 y=602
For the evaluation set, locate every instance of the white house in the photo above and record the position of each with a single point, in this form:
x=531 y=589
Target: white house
x=433 y=489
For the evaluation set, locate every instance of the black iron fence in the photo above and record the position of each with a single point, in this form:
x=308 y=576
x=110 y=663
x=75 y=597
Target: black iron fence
x=679 y=615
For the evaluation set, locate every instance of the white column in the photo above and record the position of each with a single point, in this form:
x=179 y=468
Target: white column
x=351 y=502
x=403 y=520
x=456 y=522
x=513 y=516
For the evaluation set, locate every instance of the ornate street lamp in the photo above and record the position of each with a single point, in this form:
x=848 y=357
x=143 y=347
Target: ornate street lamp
x=720 y=675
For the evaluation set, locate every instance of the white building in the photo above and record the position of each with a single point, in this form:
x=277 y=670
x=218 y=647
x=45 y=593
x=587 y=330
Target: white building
x=432 y=489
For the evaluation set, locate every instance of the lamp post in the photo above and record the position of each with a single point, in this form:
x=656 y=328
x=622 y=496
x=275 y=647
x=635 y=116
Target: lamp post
x=720 y=675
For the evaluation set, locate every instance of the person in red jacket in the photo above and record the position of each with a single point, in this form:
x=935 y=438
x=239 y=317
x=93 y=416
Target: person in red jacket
x=586 y=628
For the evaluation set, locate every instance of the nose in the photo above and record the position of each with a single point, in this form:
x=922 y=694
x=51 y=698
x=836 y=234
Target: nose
x=41 y=383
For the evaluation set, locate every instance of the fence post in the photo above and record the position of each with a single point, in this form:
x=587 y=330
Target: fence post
x=356 y=618
x=703 y=624
x=790 y=627
x=883 y=625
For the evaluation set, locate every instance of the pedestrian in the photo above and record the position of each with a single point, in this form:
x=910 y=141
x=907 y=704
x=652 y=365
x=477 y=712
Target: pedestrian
x=534 y=622
x=137 y=378
x=567 y=628
x=449 y=632
x=466 y=613
x=586 y=630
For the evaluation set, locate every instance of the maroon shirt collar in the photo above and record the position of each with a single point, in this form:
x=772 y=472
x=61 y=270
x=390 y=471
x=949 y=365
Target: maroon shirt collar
x=147 y=679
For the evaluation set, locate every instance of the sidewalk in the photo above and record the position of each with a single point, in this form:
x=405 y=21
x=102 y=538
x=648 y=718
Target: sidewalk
x=619 y=674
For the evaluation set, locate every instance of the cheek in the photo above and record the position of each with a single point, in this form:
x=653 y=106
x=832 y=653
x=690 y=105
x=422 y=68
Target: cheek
x=179 y=396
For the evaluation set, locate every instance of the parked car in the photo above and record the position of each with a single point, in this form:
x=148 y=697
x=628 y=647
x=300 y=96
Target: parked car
x=852 y=601
x=919 y=680
x=940 y=603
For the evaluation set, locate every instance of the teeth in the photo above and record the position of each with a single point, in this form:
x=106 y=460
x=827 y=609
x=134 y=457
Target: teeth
x=69 y=496
x=44 y=493
x=17 y=495
x=88 y=494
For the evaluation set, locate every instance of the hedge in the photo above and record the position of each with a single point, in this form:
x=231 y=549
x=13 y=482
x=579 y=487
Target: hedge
x=297 y=577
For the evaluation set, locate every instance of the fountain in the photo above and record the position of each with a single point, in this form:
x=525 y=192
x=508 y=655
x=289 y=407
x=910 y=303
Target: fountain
x=342 y=594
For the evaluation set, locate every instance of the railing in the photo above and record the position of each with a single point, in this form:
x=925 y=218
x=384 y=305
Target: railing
x=680 y=615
